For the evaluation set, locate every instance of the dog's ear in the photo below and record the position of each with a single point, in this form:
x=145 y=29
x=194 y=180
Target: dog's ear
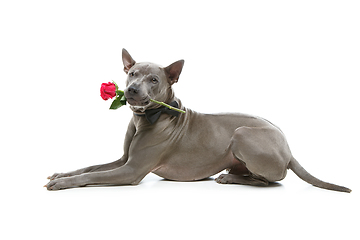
x=128 y=61
x=173 y=71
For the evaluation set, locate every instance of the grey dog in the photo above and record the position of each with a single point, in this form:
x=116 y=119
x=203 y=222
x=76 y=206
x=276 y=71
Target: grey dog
x=188 y=146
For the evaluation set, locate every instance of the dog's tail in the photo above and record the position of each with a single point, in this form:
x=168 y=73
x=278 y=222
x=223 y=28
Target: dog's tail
x=307 y=177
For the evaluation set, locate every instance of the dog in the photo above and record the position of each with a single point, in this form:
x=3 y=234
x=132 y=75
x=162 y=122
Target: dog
x=188 y=146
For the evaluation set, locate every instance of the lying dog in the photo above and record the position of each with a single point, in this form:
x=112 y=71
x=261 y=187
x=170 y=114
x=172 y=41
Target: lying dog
x=188 y=146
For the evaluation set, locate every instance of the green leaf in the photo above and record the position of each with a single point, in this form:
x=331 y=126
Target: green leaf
x=123 y=100
x=120 y=93
x=118 y=102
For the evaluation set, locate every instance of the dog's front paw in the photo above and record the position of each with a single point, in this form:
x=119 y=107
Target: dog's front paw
x=65 y=182
x=58 y=175
x=61 y=183
x=56 y=184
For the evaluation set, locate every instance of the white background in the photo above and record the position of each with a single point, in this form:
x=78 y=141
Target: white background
x=295 y=63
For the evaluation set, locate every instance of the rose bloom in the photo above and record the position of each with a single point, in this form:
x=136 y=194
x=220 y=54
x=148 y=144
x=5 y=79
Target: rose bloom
x=107 y=90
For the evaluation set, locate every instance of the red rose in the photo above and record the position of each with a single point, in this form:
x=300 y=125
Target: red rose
x=107 y=90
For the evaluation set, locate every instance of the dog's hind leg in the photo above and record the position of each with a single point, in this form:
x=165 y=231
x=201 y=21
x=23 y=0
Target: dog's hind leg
x=263 y=156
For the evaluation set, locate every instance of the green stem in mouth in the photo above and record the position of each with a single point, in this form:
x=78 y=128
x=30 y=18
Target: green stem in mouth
x=120 y=100
x=168 y=106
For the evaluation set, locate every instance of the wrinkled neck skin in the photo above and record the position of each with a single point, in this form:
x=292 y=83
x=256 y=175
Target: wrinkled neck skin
x=166 y=96
x=165 y=120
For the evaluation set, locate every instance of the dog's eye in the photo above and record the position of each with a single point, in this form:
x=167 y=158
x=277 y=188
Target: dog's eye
x=131 y=74
x=154 y=80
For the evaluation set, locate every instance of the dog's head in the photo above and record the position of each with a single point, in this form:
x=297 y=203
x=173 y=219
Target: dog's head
x=148 y=80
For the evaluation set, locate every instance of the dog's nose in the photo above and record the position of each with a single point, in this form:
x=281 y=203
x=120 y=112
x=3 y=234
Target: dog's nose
x=133 y=90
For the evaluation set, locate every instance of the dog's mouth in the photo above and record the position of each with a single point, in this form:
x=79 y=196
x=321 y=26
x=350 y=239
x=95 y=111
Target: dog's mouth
x=139 y=102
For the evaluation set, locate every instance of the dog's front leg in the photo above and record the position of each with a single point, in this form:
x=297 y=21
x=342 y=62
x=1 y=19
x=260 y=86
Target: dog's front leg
x=95 y=168
x=125 y=175
x=141 y=162
x=104 y=167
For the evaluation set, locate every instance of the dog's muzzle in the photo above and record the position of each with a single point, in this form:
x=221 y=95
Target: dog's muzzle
x=135 y=97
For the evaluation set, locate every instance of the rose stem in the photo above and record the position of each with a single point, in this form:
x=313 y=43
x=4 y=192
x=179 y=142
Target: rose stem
x=168 y=106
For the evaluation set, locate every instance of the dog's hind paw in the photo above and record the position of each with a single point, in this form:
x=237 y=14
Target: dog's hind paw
x=223 y=179
x=240 y=179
